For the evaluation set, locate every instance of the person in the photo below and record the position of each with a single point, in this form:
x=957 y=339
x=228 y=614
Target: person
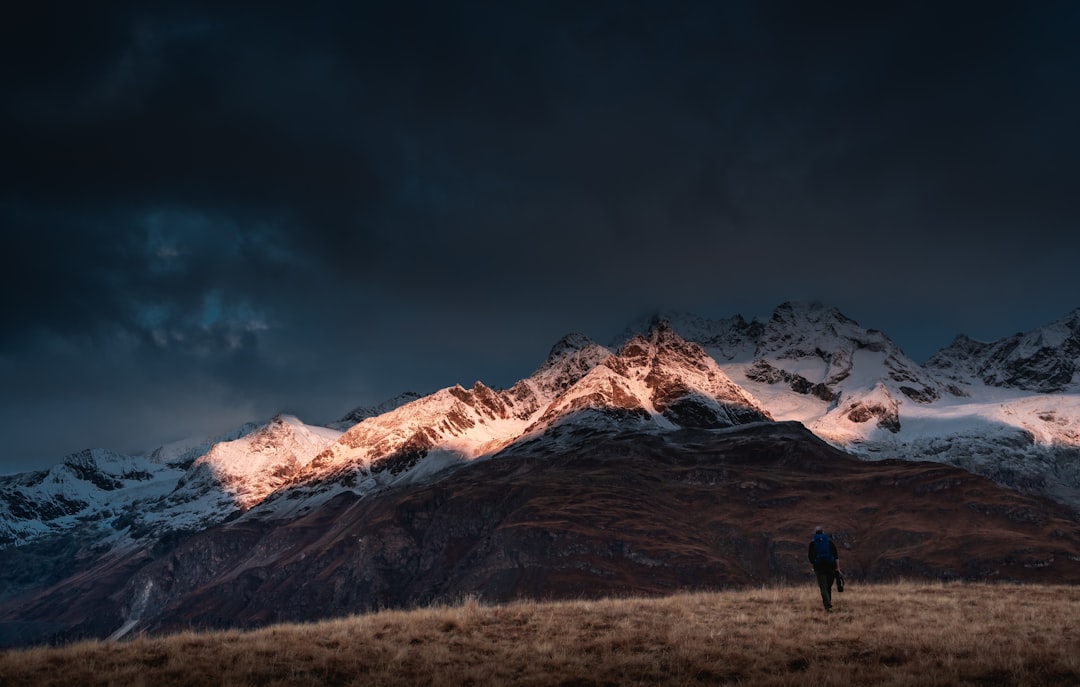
x=826 y=562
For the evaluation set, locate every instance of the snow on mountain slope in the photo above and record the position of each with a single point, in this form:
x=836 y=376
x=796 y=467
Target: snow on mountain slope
x=184 y=485
x=232 y=477
x=817 y=344
x=195 y=483
x=807 y=362
x=430 y=434
x=727 y=339
x=358 y=415
x=90 y=484
x=657 y=381
x=856 y=389
x=468 y=421
x=1045 y=360
x=236 y=475
x=1028 y=442
x=810 y=363
x=570 y=359
x=184 y=452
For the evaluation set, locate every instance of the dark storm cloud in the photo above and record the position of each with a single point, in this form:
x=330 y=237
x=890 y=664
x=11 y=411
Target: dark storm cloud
x=214 y=211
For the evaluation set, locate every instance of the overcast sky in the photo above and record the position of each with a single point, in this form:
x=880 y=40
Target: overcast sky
x=212 y=214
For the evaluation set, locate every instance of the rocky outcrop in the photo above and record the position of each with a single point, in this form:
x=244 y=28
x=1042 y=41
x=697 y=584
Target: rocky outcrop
x=762 y=371
x=885 y=415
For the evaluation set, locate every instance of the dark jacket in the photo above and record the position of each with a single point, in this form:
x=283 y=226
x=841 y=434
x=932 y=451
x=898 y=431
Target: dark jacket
x=832 y=549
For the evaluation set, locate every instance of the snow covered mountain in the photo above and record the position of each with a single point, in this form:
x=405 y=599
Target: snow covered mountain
x=1009 y=410
x=179 y=487
x=806 y=356
x=90 y=484
x=235 y=475
x=272 y=502
x=1044 y=360
x=980 y=406
x=656 y=382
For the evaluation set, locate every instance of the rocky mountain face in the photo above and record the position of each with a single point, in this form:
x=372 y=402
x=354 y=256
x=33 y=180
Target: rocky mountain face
x=657 y=381
x=102 y=494
x=654 y=382
x=815 y=351
x=653 y=465
x=85 y=485
x=1045 y=360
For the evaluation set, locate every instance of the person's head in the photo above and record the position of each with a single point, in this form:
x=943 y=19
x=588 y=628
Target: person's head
x=819 y=530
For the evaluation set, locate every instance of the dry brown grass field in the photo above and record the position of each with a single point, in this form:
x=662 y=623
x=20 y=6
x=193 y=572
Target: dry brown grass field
x=890 y=634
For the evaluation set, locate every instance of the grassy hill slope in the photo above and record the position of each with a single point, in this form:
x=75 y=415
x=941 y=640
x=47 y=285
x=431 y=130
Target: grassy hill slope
x=888 y=634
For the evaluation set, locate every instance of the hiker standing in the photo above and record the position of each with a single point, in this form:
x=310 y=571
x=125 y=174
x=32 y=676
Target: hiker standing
x=826 y=562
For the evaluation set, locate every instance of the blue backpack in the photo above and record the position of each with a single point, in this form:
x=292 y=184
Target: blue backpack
x=822 y=551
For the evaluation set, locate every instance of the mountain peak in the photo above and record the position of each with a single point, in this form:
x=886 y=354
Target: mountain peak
x=245 y=470
x=812 y=329
x=361 y=413
x=726 y=336
x=811 y=312
x=568 y=345
x=656 y=380
x=663 y=331
x=1045 y=359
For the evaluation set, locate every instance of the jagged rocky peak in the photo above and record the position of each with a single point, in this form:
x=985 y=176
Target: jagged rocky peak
x=656 y=380
x=483 y=399
x=1044 y=360
x=959 y=361
x=570 y=359
x=465 y=423
x=568 y=345
x=811 y=311
x=850 y=355
x=106 y=470
x=251 y=467
x=725 y=339
x=813 y=329
x=573 y=351
x=361 y=413
x=662 y=340
x=689 y=388
x=963 y=347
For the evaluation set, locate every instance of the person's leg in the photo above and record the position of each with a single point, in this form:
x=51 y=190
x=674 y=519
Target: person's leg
x=825 y=580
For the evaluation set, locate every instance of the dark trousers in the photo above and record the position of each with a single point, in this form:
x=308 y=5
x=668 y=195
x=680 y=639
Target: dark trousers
x=825 y=581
